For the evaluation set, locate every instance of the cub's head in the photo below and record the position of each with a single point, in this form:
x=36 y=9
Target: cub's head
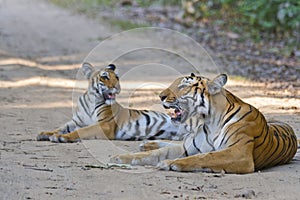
x=191 y=95
x=102 y=83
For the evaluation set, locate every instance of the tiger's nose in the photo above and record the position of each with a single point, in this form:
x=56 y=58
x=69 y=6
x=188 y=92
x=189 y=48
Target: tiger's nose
x=162 y=97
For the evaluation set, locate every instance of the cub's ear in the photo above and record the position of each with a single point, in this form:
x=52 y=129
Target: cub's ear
x=87 y=69
x=192 y=74
x=216 y=85
x=111 y=67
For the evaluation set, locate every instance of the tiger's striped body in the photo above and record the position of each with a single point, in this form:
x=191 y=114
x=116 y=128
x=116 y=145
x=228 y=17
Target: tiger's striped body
x=99 y=116
x=224 y=133
x=226 y=129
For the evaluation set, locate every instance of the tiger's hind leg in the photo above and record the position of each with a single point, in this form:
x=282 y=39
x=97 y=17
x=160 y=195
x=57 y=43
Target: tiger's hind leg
x=235 y=159
x=156 y=144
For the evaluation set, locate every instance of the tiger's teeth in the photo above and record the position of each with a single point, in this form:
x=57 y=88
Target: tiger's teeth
x=171 y=112
x=177 y=112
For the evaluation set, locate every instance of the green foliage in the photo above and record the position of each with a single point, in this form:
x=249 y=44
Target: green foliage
x=275 y=16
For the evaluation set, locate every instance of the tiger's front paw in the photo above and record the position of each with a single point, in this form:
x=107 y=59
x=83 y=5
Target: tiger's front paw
x=134 y=159
x=56 y=138
x=122 y=159
x=164 y=165
x=173 y=165
x=61 y=138
x=44 y=136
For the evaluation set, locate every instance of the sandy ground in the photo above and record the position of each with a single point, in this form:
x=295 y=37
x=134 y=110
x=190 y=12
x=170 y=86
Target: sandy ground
x=41 y=48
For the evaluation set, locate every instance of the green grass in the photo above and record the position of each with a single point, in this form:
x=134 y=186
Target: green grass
x=125 y=24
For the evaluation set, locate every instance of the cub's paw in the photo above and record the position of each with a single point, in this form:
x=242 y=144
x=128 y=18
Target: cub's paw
x=59 y=138
x=44 y=136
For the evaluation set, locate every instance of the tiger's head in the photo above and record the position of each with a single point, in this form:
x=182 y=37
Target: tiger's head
x=103 y=83
x=191 y=95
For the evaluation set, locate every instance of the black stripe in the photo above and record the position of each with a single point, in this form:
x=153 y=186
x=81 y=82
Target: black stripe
x=233 y=133
x=122 y=135
x=154 y=122
x=102 y=110
x=247 y=113
x=83 y=105
x=80 y=120
x=68 y=128
x=231 y=106
x=264 y=127
x=194 y=143
x=76 y=123
x=159 y=133
x=202 y=98
x=232 y=115
x=147 y=118
x=268 y=160
x=263 y=152
x=137 y=130
x=209 y=107
x=160 y=125
x=206 y=135
x=235 y=142
x=98 y=105
x=266 y=134
x=282 y=153
x=186 y=154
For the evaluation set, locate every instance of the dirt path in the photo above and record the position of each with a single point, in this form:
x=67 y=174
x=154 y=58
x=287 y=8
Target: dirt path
x=41 y=48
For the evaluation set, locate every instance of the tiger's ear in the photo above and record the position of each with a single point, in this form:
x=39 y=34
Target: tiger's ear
x=192 y=74
x=111 y=67
x=87 y=69
x=216 y=85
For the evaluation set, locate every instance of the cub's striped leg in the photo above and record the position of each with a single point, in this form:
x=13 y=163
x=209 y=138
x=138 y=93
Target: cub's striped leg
x=235 y=159
x=152 y=157
x=96 y=131
x=67 y=128
x=157 y=144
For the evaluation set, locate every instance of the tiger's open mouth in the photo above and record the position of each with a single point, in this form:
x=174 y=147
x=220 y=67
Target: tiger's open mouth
x=109 y=96
x=176 y=113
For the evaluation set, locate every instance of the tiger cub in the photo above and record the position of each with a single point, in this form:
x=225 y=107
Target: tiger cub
x=225 y=133
x=100 y=116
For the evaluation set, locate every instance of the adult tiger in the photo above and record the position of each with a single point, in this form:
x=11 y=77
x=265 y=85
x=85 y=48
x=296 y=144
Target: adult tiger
x=99 y=115
x=225 y=133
